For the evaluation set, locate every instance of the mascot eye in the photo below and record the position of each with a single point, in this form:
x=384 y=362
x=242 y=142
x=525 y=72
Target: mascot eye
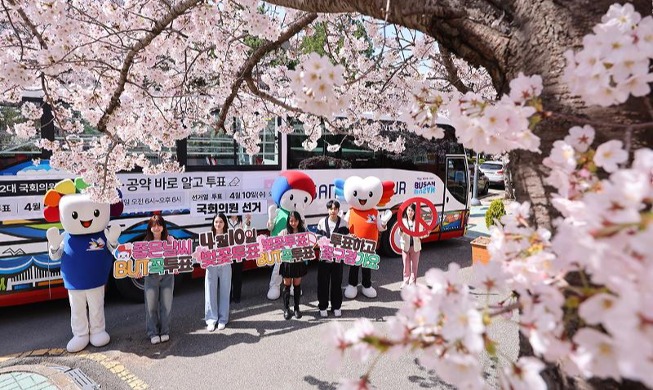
x=97 y=213
x=75 y=215
x=355 y=193
x=371 y=194
x=306 y=199
x=291 y=196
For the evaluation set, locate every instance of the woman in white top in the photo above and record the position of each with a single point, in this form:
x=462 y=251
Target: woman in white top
x=217 y=284
x=410 y=246
x=235 y=222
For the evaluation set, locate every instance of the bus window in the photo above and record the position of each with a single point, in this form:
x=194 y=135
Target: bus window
x=14 y=151
x=154 y=157
x=359 y=156
x=457 y=179
x=210 y=149
x=269 y=154
x=141 y=148
x=296 y=151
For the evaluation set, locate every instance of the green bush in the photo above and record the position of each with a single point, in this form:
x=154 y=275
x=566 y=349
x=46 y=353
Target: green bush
x=472 y=160
x=495 y=211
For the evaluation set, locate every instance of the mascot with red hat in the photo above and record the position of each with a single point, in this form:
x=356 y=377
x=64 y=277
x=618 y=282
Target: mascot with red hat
x=85 y=249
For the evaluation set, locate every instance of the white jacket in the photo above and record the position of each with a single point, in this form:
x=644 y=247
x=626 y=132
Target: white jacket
x=404 y=239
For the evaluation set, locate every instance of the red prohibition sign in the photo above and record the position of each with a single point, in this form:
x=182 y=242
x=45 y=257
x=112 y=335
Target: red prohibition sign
x=421 y=226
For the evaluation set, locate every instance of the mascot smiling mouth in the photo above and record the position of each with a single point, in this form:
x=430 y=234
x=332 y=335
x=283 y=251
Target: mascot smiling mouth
x=362 y=201
x=86 y=224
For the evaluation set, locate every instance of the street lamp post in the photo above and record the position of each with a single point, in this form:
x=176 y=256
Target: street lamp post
x=475 y=201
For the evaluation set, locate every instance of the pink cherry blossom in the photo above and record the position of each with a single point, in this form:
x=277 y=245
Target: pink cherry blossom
x=597 y=354
x=580 y=137
x=610 y=154
x=523 y=375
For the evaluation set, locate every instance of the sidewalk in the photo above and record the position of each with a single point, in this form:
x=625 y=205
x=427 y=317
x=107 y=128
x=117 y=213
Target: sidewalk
x=476 y=223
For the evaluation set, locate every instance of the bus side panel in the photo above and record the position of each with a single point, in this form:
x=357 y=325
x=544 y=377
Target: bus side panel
x=32 y=296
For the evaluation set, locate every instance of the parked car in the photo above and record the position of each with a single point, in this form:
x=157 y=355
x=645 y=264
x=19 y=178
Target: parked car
x=483 y=182
x=493 y=170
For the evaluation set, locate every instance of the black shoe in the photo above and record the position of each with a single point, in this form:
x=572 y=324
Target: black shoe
x=236 y=300
x=287 y=314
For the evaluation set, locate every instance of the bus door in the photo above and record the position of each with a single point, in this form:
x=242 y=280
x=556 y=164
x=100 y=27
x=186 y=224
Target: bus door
x=455 y=198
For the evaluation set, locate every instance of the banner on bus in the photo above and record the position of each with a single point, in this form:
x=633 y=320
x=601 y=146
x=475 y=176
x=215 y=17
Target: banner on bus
x=203 y=193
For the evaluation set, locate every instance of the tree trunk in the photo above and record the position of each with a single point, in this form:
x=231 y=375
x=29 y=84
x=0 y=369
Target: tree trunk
x=546 y=31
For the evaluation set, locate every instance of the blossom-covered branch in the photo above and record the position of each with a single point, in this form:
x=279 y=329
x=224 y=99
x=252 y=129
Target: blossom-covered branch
x=246 y=71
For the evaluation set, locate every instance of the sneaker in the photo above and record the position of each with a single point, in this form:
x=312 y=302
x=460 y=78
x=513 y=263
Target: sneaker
x=210 y=327
x=221 y=326
x=323 y=313
x=155 y=340
x=164 y=338
x=337 y=313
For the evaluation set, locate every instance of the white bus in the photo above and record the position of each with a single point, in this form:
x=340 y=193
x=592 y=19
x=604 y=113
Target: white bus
x=219 y=177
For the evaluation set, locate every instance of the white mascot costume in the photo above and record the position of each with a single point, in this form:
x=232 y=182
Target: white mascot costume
x=85 y=250
x=291 y=191
x=363 y=220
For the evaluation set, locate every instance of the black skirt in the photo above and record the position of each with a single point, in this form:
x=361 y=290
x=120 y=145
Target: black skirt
x=293 y=270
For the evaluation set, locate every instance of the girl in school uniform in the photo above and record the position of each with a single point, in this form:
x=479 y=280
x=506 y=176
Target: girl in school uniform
x=292 y=273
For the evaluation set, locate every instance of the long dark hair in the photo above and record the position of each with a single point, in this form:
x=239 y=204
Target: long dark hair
x=239 y=221
x=300 y=225
x=158 y=221
x=224 y=219
x=412 y=207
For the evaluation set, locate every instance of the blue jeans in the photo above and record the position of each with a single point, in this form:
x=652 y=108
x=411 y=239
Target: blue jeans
x=158 y=303
x=217 y=286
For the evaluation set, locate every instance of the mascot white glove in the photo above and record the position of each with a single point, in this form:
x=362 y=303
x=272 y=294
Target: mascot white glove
x=112 y=233
x=54 y=238
x=385 y=217
x=272 y=213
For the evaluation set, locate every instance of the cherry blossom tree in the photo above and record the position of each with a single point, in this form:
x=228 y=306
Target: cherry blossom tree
x=572 y=82
x=188 y=67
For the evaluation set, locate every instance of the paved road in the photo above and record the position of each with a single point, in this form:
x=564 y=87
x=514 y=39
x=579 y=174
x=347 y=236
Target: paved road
x=259 y=349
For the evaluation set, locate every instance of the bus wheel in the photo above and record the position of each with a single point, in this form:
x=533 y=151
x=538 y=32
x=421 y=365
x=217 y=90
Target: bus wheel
x=131 y=288
x=390 y=239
